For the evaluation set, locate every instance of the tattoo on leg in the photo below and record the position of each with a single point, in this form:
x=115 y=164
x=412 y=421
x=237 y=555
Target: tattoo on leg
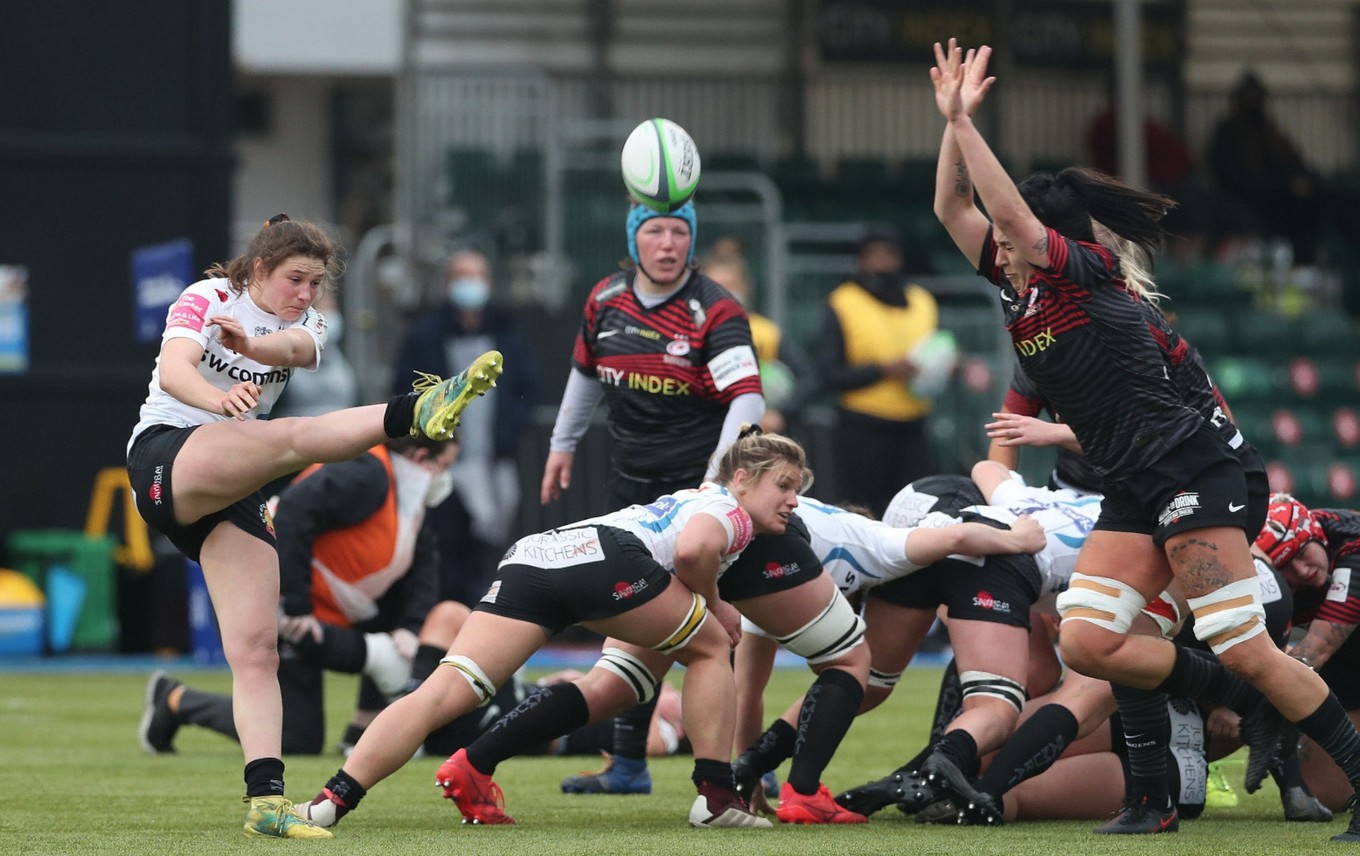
x=1198 y=567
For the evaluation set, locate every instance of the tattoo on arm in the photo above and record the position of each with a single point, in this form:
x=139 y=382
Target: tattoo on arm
x=1042 y=245
x=1321 y=642
x=963 y=185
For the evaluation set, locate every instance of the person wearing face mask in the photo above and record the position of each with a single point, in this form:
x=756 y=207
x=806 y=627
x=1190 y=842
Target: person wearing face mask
x=358 y=563
x=872 y=323
x=474 y=525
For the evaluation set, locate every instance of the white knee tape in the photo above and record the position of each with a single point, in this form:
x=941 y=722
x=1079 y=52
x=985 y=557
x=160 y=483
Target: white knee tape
x=993 y=686
x=473 y=674
x=632 y=670
x=1102 y=601
x=828 y=636
x=694 y=619
x=1229 y=615
x=884 y=680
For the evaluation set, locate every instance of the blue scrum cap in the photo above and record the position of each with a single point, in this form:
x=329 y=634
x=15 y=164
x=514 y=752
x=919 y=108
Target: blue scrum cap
x=639 y=214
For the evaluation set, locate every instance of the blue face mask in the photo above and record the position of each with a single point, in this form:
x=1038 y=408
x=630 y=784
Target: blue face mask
x=469 y=292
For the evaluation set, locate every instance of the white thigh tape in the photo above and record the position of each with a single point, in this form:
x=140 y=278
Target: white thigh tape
x=828 y=636
x=694 y=619
x=992 y=686
x=1230 y=615
x=473 y=674
x=632 y=670
x=1102 y=601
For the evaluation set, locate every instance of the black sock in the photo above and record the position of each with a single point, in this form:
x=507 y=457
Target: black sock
x=264 y=778
x=630 y=731
x=1286 y=771
x=1222 y=687
x=352 y=734
x=400 y=415
x=1193 y=676
x=552 y=712
x=771 y=748
x=828 y=709
x=208 y=710
x=948 y=702
x=1147 y=731
x=345 y=789
x=426 y=661
x=960 y=747
x=1331 y=729
x=1033 y=748
x=341 y=649
x=710 y=770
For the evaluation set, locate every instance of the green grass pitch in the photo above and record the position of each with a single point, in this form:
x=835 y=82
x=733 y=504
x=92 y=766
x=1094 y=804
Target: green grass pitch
x=76 y=782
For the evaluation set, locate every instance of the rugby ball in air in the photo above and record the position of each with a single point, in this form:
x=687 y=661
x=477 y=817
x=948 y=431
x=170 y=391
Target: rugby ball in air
x=660 y=165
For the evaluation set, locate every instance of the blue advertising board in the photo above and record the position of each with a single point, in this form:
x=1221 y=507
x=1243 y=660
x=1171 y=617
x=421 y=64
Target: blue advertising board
x=159 y=273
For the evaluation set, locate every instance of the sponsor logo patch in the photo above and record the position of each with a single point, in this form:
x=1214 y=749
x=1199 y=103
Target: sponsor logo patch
x=742 y=529
x=1181 y=505
x=984 y=600
x=188 y=312
x=623 y=591
x=733 y=365
x=776 y=571
x=157 y=491
x=562 y=549
x=490 y=596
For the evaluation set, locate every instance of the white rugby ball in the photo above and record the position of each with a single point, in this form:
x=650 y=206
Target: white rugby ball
x=660 y=165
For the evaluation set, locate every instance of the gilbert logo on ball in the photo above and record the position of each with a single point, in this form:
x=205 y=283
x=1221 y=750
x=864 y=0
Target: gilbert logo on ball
x=660 y=165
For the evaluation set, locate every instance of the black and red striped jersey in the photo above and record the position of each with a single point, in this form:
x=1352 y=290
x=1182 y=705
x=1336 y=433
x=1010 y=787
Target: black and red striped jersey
x=1080 y=335
x=1190 y=375
x=668 y=372
x=1339 y=602
x=1070 y=467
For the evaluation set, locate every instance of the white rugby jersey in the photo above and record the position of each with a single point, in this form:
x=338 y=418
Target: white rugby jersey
x=1068 y=516
x=657 y=524
x=221 y=367
x=858 y=552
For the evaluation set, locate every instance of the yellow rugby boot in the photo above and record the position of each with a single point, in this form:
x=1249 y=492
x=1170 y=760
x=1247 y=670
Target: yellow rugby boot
x=443 y=401
x=278 y=817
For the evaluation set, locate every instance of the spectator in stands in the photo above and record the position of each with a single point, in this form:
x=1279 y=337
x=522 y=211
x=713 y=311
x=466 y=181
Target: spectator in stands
x=785 y=370
x=872 y=323
x=475 y=524
x=359 y=572
x=1256 y=165
x=203 y=448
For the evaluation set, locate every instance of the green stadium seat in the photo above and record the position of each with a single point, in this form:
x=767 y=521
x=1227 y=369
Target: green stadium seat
x=1206 y=329
x=1327 y=333
x=1201 y=282
x=1263 y=334
x=1246 y=380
